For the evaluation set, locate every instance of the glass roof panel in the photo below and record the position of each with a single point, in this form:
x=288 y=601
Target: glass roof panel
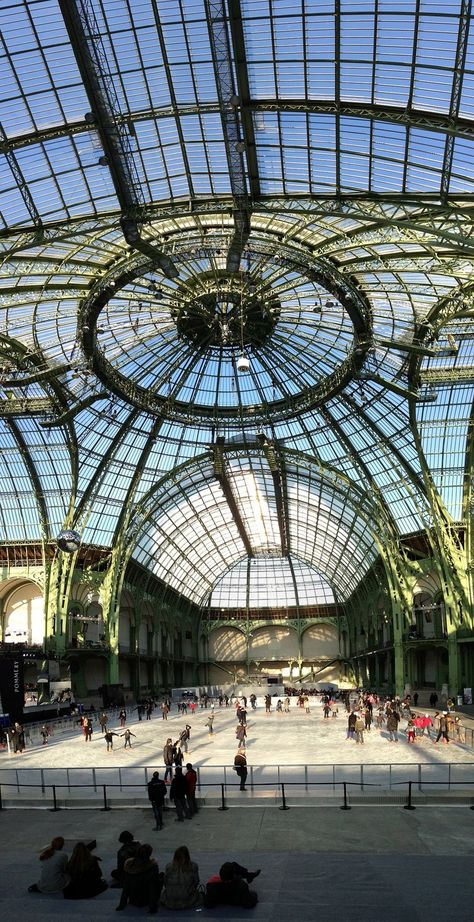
x=259 y=583
x=302 y=200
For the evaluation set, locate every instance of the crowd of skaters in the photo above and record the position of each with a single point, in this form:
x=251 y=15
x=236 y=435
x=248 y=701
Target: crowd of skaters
x=387 y=714
x=368 y=711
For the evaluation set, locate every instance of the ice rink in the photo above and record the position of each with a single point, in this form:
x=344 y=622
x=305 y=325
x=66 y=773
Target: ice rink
x=300 y=749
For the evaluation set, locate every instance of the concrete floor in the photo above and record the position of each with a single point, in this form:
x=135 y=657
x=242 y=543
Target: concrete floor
x=367 y=865
x=372 y=863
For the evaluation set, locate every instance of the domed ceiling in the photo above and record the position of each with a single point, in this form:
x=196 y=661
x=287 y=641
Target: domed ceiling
x=237 y=302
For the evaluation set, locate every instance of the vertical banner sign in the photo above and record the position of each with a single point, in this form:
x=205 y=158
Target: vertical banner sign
x=12 y=690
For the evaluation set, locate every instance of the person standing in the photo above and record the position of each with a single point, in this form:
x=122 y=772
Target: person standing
x=178 y=757
x=268 y=704
x=45 y=735
x=210 y=722
x=168 y=760
x=351 y=722
x=443 y=728
x=184 y=737
x=393 y=719
x=178 y=791
x=191 y=781
x=103 y=720
x=20 y=737
x=156 y=794
x=240 y=735
x=128 y=733
x=240 y=766
x=122 y=717
x=164 y=710
x=359 y=728
x=88 y=730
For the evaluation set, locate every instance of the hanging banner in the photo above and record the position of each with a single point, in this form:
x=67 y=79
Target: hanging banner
x=12 y=686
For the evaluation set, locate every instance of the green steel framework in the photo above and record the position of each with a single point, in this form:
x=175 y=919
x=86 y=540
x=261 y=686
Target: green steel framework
x=160 y=156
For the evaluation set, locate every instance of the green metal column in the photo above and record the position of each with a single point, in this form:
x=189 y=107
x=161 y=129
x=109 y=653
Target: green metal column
x=377 y=672
x=399 y=677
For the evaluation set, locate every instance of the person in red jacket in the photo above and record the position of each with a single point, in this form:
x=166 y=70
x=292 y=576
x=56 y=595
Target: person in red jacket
x=231 y=887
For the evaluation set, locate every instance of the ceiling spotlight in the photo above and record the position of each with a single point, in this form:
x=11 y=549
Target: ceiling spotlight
x=158 y=294
x=243 y=364
x=103 y=161
x=234 y=101
x=240 y=147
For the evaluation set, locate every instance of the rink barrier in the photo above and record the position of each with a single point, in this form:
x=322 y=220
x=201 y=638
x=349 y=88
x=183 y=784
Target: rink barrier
x=223 y=801
x=386 y=775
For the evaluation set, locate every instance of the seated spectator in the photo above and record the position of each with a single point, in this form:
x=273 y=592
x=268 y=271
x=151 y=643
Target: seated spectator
x=54 y=876
x=128 y=849
x=85 y=873
x=230 y=887
x=181 y=882
x=142 y=881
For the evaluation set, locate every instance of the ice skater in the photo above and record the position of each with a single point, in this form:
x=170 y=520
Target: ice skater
x=109 y=739
x=128 y=734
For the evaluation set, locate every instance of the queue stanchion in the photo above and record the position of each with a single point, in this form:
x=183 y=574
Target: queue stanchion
x=409 y=805
x=106 y=807
x=223 y=805
x=55 y=807
x=284 y=805
x=345 y=805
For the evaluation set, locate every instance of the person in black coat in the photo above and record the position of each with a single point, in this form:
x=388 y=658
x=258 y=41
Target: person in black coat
x=128 y=849
x=157 y=792
x=178 y=757
x=168 y=759
x=85 y=875
x=142 y=881
x=178 y=792
x=240 y=766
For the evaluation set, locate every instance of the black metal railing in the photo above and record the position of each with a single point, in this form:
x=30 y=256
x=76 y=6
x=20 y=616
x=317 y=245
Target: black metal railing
x=280 y=792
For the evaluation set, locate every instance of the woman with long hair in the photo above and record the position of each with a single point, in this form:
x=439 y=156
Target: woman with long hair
x=85 y=873
x=181 y=884
x=54 y=876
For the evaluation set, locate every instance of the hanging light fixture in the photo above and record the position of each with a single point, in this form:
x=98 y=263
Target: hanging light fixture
x=243 y=364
